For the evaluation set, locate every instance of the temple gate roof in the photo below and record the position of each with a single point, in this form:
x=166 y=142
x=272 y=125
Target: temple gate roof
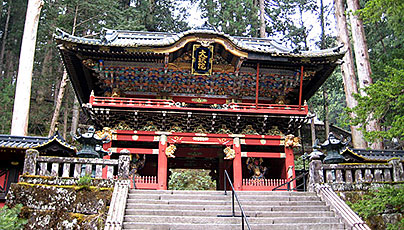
x=159 y=50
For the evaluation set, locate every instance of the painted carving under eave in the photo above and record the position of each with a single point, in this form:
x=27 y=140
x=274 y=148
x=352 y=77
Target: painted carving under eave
x=292 y=141
x=170 y=150
x=230 y=153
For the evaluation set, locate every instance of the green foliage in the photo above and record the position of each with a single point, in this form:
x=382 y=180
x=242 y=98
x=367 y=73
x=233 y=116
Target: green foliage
x=388 y=199
x=6 y=100
x=9 y=218
x=191 y=179
x=336 y=100
x=389 y=10
x=234 y=17
x=383 y=23
x=84 y=182
x=286 y=18
x=158 y=15
x=384 y=102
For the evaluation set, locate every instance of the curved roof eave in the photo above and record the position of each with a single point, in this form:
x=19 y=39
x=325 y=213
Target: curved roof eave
x=124 y=38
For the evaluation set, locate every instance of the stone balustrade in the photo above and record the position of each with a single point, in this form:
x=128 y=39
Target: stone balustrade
x=75 y=167
x=355 y=176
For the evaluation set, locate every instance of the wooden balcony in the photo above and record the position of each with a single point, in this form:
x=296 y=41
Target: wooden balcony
x=167 y=105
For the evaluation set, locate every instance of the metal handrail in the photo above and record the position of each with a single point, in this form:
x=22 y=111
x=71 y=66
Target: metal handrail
x=289 y=182
x=234 y=194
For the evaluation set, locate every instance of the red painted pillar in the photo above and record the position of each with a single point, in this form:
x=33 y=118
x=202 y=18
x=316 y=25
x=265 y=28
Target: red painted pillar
x=290 y=165
x=106 y=146
x=162 y=164
x=237 y=167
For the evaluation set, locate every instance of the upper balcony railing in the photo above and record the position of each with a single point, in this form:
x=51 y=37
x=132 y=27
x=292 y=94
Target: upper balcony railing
x=159 y=104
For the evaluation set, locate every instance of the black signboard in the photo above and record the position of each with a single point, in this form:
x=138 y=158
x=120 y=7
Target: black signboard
x=202 y=57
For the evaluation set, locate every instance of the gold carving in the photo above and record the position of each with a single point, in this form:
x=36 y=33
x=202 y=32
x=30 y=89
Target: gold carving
x=105 y=133
x=292 y=141
x=274 y=131
x=170 y=150
x=230 y=153
x=89 y=63
x=199 y=100
x=249 y=130
x=122 y=126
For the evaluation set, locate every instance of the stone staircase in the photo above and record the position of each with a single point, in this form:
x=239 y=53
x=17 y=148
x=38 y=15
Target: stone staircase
x=152 y=209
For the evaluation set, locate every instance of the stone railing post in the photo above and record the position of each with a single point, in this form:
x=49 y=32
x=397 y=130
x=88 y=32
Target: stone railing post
x=398 y=172
x=123 y=166
x=31 y=156
x=316 y=175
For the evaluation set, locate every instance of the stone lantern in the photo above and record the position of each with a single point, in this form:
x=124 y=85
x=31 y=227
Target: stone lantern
x=333 y=147
x=92 y=144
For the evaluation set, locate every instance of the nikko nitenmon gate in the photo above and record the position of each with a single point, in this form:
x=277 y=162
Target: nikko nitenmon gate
x=200 y=99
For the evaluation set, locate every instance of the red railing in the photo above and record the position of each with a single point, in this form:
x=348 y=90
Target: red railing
x=145 y=103
x=262 y=184
x=144 y=182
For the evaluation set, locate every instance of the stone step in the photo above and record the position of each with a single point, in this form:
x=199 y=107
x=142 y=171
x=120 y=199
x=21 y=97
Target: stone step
x=181 y=226
x=228 y=220
x=222 y=207
x=220 y=197
x=214 y=192
x=167 y=212
x=226 y=202
x=182 y=209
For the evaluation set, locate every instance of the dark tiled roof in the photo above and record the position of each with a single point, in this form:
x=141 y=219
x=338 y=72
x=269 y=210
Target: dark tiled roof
x=20 y=142
x=26 y=142
x=125 y=38
x=374 y=155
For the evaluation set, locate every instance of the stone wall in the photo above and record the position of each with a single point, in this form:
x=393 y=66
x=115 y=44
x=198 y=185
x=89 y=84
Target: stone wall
x=58 y=203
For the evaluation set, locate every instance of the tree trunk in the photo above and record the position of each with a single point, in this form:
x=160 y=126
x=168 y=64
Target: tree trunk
x=19 y=125
x=3 y=45
x=75 y=116
x=362 y=61
x=59 y=100
x=348 y=70
x=326 y=119
x=262 y=19
x=65 y=115
x=322 y=25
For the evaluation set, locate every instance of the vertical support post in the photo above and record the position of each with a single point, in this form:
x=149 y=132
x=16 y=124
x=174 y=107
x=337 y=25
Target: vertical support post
x=162 y=164
x=237 y=167
x=123 y=166
x=91 y=101
x=301 y=87
x=105 y=169
x=398 y=171
x=290 y=166
x=316 y=174
x=31 y=156
x=257 y=86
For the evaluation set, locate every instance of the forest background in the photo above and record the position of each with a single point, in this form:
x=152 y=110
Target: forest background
x=299 y=24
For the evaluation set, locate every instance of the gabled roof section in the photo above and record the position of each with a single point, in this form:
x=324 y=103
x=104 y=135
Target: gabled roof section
x=54 y=144
x=364 y=155
x=125 y=38
x=58 y=141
